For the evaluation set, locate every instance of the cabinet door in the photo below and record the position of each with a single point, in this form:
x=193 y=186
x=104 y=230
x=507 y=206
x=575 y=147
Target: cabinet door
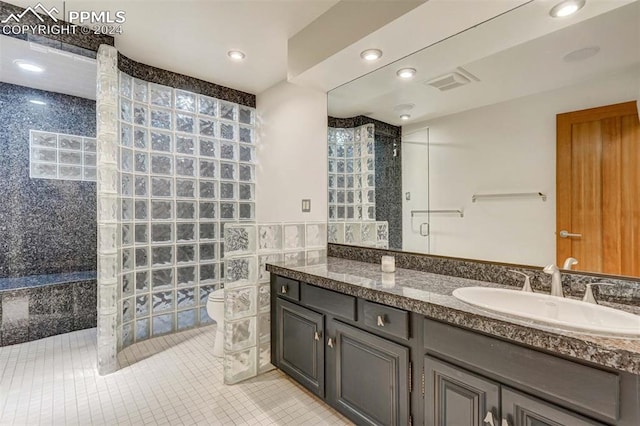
x=519 y=409
x=456 y=397
x=367 y=376
x=300 y=352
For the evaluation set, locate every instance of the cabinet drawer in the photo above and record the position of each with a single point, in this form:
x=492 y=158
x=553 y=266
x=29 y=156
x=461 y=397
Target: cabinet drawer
x=329 y=301
x=288 y=288
x=386 y=319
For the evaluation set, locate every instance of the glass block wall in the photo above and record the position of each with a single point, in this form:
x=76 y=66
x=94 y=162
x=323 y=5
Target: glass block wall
x=247 y=350
x=186 y=166
x=352 y=185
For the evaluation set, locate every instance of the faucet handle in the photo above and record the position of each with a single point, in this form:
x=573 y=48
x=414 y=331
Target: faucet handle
x=527 y=281
x=588 y=293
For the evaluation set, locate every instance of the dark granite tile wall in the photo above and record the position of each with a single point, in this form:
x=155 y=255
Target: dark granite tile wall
x=183 y=82
x=60 y=41
x=34 y=313
x=388 y=172
x=46 y=226
x=626 y=289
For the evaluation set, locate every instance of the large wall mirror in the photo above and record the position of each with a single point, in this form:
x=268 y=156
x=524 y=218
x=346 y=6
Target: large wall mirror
x=520 y=143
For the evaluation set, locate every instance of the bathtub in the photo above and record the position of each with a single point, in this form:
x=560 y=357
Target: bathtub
x=40 y=306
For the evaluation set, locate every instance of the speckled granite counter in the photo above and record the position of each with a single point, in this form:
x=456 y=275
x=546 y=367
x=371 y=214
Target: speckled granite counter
x=431 y=295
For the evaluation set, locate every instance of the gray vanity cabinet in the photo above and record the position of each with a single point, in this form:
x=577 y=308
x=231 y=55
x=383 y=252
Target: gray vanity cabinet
x=367 y=376
x=456 y=397
x=300 y=349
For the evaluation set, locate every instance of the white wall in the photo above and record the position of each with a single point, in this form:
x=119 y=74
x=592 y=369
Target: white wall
x=292 y=154
x=503 y=148
x=415 y=175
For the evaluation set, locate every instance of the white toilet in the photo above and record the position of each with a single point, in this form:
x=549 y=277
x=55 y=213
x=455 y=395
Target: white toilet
x=215 y=309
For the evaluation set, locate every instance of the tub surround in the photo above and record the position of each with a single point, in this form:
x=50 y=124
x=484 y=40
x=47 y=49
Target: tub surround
x=430 y=294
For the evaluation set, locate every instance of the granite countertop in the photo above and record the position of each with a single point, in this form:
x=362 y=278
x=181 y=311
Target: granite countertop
x=431 y=295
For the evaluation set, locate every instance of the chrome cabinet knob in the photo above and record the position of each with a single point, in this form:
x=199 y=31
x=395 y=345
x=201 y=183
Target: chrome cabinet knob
x=330 y=342
x=316 y=335
x=283 y=289
x=488 y=419
x=380 y=320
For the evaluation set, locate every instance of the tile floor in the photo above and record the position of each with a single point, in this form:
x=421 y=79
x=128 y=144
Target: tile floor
x=171 y=380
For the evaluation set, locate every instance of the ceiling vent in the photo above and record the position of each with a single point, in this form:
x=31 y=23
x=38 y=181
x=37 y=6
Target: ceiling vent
x=452 y=80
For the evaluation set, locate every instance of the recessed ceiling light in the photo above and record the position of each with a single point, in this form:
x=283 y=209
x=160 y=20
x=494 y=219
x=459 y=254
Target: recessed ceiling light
x=371 y=54
x=566 y=8
x=581 y=54
x=37 y=102
x=405 y=117
x=28 y=66
x=236 y=55
x=406 y=73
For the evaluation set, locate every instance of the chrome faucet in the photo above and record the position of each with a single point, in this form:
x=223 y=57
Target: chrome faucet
x=556 y=280
x=570 y=262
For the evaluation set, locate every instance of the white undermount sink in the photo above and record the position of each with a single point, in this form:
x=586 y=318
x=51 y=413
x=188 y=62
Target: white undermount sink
x=560 y=312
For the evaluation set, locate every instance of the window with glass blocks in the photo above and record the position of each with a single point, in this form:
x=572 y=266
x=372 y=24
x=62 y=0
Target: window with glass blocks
x=61 y=156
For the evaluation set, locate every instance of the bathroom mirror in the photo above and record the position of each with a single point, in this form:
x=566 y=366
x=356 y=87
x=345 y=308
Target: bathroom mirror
x=47 y=161
x=481 y=169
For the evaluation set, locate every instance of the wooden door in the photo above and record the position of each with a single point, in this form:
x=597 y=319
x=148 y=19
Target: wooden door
x=598 y=188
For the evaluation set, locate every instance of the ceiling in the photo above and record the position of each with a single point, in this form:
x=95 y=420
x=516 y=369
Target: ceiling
x=193 y=37
x=507 y=67
x=64 y=72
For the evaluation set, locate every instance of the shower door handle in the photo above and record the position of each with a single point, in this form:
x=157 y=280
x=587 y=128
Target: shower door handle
x=424 y=229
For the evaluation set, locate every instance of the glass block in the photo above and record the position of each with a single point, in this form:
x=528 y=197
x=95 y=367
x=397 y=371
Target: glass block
x=382 y=231
x=240 y=302
x=263 y=274
x=44 y=139
x=185 y=210
x=140 y=138
x=208 y=273
x=264 y=327
x=246 y=211
x=141 y=209
x=107 y=326
x=207 y=147
x=208 y=231
x=107 y=298
x=228 y=151
x=207 y=127
x=208 y=169
x=140 y=90
x=246 y=173
x=341 y=212
x=246 y=115
x=162 y=301
x=126 y=85
x=208 y=210
x=340 y=166
x=161 y=141
x=371 y=180
x=185 y=145
x=89 y=145
x=185 y=232
x=185 y=188
x=142 y=257
x=207 y=106
x=127 y=310
x=340 y=197
x=228 y=211
x=162 y=256
x=247 y=154
x=239 y=239
x=185 y=166
x=161 y=164
x=270 y=237
x=160 y=95
x=228 y=111
x=207 y=190
x=127 y=260
x=126 y=209
x=107 y=240
x=142 y=329
x=350 y=168
x=185 y=253
x=340 y=151
x=185 y=276
x=141 y=233
x=126 y=110
x=332 y=213
x=187 y=319
x=141 y=186
x=295 y=259
x=185 y=101
x=368 y=232
x=316 y=257
x=126 y=185
x=46 y=171
x=162 y=278
x=294 y=235
x=264 y=358
x=107 y=208
x=335 y=233
x=208 y=252
x=246 y=191
x=369 y=213
x=371 y=196
x=352 y=233
x=264 y=296
x=316 y=235
x=69 y=142
x=126 y=160
x=239 y=334
x=140 y=115
x=142 y=305
x=241 y=271
x=239 y=366
x=127 y=285
x=127 y=335
x=162 y=324
x=142 y=281
x=350 y=194
x=161 y=233
x=161 y=187
x=228 y=190
x=141 y=162
x=228 y=131
x=340 y=181
x=245 y=134
x=185 y=123
x=227 y=171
